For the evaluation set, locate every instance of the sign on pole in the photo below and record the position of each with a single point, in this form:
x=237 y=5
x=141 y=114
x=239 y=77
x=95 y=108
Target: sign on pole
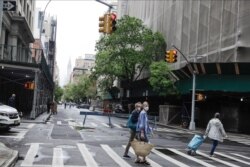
x=9 y=5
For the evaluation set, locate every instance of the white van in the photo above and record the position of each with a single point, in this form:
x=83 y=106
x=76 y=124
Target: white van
x=8 y=117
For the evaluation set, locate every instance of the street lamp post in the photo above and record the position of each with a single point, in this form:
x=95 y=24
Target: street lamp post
x=192 y=123
x=41 y=26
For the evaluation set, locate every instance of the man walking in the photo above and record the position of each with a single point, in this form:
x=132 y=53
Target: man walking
x=12 y=101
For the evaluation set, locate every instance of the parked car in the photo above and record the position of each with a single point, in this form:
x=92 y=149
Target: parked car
x=9 y=117
x=85 y=106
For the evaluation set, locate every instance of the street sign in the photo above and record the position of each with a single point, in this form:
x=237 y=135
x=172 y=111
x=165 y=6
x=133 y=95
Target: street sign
x=9 y=5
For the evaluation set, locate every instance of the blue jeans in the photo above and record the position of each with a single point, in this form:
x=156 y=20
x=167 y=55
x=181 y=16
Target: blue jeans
x=215 y=143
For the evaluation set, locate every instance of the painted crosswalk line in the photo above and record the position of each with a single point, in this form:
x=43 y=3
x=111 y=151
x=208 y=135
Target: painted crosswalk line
x=232 y=158
x=216 y=159
x=170 y=159
x=191 y=158
x=30 y=156
x=153 y=163
x=115 y=156
x=87 y=155
x=58 y=157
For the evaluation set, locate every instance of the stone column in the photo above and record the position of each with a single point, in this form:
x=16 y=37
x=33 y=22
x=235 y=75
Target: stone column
x=2 y=40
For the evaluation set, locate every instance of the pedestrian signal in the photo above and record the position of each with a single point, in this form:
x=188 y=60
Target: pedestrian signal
x=29 y=85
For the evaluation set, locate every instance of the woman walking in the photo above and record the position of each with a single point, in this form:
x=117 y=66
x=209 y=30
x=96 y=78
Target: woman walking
x=215 y=131
x=143 y=128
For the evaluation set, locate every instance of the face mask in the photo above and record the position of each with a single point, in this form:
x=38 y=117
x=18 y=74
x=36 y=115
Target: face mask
x=146 y=108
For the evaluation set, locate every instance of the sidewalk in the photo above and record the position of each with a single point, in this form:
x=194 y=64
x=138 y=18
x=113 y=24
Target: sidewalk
x=8 y=157
x=42 y=118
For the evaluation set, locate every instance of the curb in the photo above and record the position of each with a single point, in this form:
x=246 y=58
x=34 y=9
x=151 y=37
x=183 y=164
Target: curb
x=12 y=161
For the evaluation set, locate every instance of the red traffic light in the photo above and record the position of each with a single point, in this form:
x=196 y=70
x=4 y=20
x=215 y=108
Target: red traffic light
x=113 y=16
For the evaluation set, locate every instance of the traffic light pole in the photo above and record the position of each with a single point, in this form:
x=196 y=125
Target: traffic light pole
x=104 y=3
x=192 y=123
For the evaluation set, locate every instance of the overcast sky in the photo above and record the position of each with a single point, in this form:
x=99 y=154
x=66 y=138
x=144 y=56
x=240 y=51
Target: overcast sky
x=77 y=29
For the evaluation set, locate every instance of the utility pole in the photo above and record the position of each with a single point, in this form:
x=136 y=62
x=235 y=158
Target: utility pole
x=192 y=123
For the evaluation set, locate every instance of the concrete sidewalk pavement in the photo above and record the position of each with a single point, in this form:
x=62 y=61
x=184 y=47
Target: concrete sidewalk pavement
x=8 y=157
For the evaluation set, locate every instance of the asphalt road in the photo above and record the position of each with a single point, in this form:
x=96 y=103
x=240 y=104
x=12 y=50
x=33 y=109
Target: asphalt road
x=65 y=142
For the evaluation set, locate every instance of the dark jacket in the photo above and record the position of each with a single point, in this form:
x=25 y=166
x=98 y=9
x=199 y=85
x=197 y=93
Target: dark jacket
x=12 y=102
x=134 y=116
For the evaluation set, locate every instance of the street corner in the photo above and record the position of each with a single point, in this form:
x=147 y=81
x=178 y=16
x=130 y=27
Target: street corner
x=8 y=157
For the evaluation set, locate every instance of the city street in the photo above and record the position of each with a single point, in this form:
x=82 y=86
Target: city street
x=64 y=142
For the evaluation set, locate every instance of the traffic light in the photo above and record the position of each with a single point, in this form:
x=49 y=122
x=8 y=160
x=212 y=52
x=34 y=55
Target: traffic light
x=171 y=56
x=200 y=97
x=174 y=56
x=113 y=18
x=111 y=23
x=103 y=20
x=101 y=24
x=29 y=85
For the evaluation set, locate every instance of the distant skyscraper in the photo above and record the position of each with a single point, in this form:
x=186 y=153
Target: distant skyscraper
x=69 y=70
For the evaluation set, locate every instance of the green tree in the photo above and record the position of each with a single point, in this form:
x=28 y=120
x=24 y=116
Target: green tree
x=160 y=79
x=126 y=52
x=81 y=91
x=58 y=93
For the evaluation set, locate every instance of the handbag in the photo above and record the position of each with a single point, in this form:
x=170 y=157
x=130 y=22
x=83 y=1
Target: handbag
x=130 y=124
x=141 y=148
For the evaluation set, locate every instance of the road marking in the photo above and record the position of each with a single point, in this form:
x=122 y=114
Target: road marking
x=59 y=122
x=242 y=156
x=230 y=157
x=153 y=164
x=87 y=155
x=216 y=159
x=172 y=160
x=114 y=156
x=191 y=158
x=57 y=158
x=31 y=126
x=30 y=156
x=104 y=124
x=118 y=126
x=94 y=124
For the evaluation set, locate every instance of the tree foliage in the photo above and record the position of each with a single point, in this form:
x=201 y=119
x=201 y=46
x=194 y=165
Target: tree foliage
x=58 y=93
x=81 y=91
x=160 y=78
x=126 y=52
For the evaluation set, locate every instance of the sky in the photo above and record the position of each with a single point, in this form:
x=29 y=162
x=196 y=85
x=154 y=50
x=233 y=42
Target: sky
x=77 y=29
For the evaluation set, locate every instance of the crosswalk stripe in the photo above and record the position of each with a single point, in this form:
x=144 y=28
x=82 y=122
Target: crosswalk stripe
x=114 y=156
x=59 y=122
x=153 y=164
x=233 y=158
x=216 y=159
x=30 y=126
x=242 y=156
x=94 y=124
x=191 y=158
x=172 y=160
x=57 y=158
x=30 y=156
x=118 y=126
x=104 y=124
x=87 y=155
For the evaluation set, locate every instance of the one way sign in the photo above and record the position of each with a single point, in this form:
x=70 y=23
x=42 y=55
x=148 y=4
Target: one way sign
x=9 y=5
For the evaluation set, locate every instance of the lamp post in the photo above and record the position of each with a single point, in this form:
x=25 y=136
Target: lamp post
x=192 y=123
x=41 y=27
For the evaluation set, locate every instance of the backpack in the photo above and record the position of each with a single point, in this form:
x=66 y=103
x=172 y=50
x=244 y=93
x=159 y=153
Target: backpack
x=131 y=124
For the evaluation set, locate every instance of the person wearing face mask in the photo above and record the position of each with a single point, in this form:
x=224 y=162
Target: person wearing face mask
x=134 y=120
x=143 y=128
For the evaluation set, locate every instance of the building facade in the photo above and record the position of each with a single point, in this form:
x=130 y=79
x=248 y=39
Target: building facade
x=214 y=36
x=22 y=60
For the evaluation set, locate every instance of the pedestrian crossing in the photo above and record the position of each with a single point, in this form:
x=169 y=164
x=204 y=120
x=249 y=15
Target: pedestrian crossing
x=104 y=155
x=17 y=132
x=122 y=125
